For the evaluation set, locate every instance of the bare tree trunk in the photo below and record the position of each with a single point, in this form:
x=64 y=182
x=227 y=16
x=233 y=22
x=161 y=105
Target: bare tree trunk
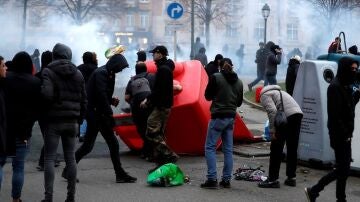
x=23 y=35
x=207 y=22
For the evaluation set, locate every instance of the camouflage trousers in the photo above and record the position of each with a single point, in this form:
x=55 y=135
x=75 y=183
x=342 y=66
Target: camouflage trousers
x=155 y=133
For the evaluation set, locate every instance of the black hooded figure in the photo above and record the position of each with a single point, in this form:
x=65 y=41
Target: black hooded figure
x=99 y=116
x=22 y=94
x=291 y=74
x=341 y=113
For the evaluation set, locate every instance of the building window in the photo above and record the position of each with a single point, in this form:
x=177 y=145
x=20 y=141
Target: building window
x=130 y=20
x=259 y=31
x=144 y=20
x=292 y=32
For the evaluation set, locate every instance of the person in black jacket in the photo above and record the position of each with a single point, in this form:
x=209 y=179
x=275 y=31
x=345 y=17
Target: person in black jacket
x=213 y=66
x=161 y=98
x=3 y=69
x=99 y=116
x=291 y=74
x=63 y=90
x=22 y=94
x=140 y=115
x=341 y=101
x=273 y=59
x=261 y=56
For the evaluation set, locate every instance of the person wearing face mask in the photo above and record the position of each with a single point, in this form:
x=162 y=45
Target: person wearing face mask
x=341 y=101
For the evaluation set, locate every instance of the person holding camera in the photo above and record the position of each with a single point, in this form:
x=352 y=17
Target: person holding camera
x=272 y=99
x=273 y=59
x=341 y=101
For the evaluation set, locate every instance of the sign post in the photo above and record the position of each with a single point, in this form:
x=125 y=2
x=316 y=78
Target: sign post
x=175 y=11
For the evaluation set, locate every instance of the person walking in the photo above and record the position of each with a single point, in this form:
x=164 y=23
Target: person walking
x=201 y=56
x=161 y=98
x=261 y=56
x=272 y=98
x=225 y=90
x=63 y=89
x=137 y=89
x=341 y=101
x=99 y=115
x=22 y=99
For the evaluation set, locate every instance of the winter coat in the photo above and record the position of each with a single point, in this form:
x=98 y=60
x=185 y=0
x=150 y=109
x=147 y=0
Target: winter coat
x=271 y=63
x=86 y=70
x=22 y=98
x=202 y=58
x=3 y=120
x=225 y=90
x=341 y=101
x=261 y=56
x=63 y=88
x=100 y=87
x=162 y=95
x=291 y=75
x=271 y=101
x=211 y=68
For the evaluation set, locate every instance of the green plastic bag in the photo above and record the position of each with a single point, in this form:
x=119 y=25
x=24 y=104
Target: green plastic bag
x=166 y=175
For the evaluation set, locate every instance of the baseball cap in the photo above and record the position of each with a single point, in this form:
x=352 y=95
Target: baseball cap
x=160 y=49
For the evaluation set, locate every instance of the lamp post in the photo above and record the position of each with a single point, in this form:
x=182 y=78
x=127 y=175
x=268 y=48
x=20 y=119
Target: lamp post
x=265 y=13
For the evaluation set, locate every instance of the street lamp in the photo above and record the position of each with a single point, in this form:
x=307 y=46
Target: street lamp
x=265 y=13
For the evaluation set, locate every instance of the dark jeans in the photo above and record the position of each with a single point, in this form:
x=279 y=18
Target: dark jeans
x=18 y=164
x=67 y=132
x=340 y=172
x=103 y=124
x=260 y=76
x=140 y=117
x=291 y=137
x=270 y=80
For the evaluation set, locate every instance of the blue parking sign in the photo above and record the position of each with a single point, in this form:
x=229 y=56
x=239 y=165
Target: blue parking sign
x=175 y=10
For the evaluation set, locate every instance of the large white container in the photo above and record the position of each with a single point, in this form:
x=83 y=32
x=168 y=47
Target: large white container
x=310 y=92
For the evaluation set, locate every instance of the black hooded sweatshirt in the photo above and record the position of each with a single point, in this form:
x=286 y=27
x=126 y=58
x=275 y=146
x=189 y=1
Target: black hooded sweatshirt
x=341 y=103
x=22 y=98
x=100 y=86
x=225 y=90
x=63 y=88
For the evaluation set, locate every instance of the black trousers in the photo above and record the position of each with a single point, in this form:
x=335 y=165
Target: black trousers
x=291 y=137
x=140 y=117
x=340 y=173
x=103 y=124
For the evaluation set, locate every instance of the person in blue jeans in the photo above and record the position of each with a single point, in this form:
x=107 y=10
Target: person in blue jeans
x=225 y=90
x=21 y=115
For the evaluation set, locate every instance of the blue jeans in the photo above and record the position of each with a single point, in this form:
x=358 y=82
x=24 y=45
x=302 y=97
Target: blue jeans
x=219 y=127
x=83 y=127
x=18 y=163
x=270 y=80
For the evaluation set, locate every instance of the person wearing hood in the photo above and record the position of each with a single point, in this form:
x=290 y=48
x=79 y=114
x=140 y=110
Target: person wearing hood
x=99 y=115
x=213 y=66
x=201 y=56
x=137 y=89
x=272 y=98
x=225 y=90
x=273 y=59
x=35 y=57
x=261 y=56
x=63 y=90
x=161 y=98
x=341 y=102
x=291 y=73
x=22 y=98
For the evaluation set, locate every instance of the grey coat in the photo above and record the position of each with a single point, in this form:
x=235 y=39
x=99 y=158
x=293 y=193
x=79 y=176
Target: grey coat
x=271 y=101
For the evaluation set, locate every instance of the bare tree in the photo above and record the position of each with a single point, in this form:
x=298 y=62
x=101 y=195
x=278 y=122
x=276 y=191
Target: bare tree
x=331 y=10
x=208 y=11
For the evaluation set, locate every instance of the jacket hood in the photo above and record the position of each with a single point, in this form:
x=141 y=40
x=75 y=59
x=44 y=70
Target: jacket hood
x=117 y=63
x=293 y=61
x=269 y=45
x=167 y=62
x=268 y=88
x=61 y=51
x=63 y=68
x=344 y=72
x=22 y=63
